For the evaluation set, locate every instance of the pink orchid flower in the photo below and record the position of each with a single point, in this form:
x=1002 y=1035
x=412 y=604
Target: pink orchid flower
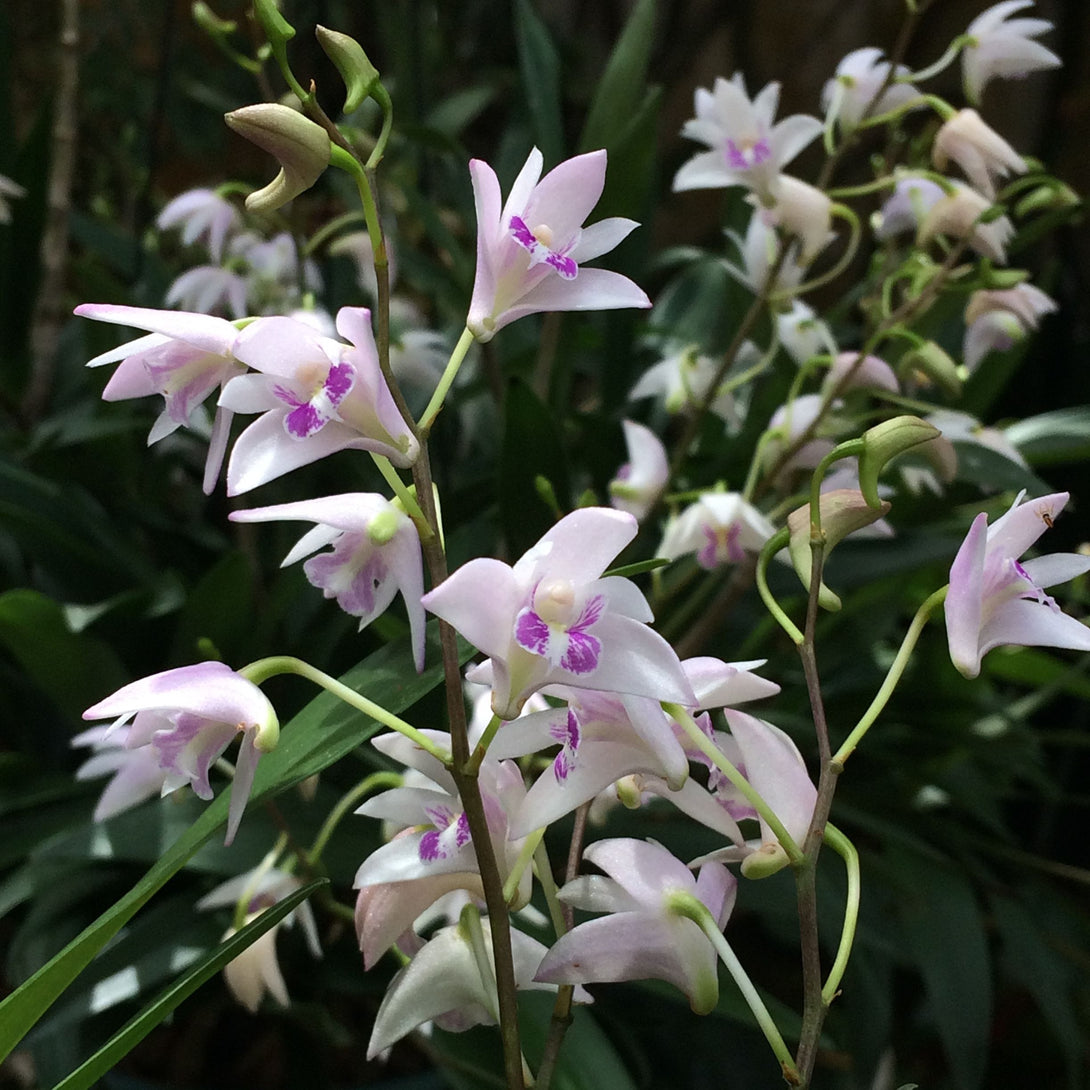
x=553 y=618
x=531 y=249
x=375 y=554
x=186 y=357
x=746 y=147
x=642 y=937
x=188 y=717
x=316 y=396
x=995 y=599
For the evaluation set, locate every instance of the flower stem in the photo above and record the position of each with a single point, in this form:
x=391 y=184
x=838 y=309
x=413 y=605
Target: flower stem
x=263 y=669
x=344 y=806
x=892 y=678
x=445 y=381
x=846 y=850
x=685 y=904
x=772 y=546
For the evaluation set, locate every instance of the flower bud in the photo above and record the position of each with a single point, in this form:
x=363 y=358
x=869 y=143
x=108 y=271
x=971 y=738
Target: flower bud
x=935 y=364
x=767 y=860
x=277 y=29
x=1048 y=198
x=885 y=441
x=843 y=511
x=359 y=74
x=300 y=146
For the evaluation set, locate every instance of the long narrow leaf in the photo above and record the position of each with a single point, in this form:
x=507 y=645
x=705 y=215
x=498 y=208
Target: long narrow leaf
x=140 y=1025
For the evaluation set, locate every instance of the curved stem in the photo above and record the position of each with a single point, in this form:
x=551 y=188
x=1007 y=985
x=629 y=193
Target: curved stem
x=892 y=678
x=263 y=669
x=846 y=850
x=845 y=213
x=408 y=500
x=772 y=546
x=344 y=807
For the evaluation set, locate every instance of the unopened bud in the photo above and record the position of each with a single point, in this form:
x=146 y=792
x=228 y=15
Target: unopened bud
x=1048 y=198
x=277 y=29
x=935 y=363
x=1001 y=279
x=767 y=860
x=300 y=146
x=884 y=442
x=843 y=511
x=359 y=74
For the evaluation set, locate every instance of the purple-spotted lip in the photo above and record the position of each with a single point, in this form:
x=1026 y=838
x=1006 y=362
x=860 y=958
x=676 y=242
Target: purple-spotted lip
x=308 y=417
x=572 y=648
x=748 y=157
x=568 y=736
x=540 y=253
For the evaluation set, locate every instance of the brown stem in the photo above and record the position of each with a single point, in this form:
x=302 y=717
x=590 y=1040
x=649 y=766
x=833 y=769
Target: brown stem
x=49 y=310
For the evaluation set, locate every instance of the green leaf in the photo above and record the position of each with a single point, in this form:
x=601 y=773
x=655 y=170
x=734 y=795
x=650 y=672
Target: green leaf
x=1059 y=436
x=138 y=1027
x=539 y=66
x=629 y=570
x=72 y=667
x=944 y=936
x=1046 y=975
x=623 y=84
x=324 y=731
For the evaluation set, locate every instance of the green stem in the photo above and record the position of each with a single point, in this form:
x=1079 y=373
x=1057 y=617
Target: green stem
x=939 y=105
x=706 y=746
x=445 y=381
x=544 y=871
x=892 y=678
x=944 y=62
x=345 y=805
x=850 y=449
x=772 y=546
x=685 y=904
x=846 y=850
x=529 y=846
x=401 y=490
x=263 y=669
x=481 y=749
x=845 y=213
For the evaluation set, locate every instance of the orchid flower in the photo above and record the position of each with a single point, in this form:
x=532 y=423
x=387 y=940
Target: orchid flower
x=605 y=737
x=996 y=320
x=758 y=251
x=189 y=716
x=316 y=396
x=978 y=149
x=531 y=250
x=801 y=211
x=907 y=206
x=643 y=936
x=444 y=983
x=720 y=528
x=375 y=554
x=851 y=94
x=1001 y=46
x=682 y=380
x=958 y=213
x=432 y=853
x=803 y=334
x=746 y=147
x=642 y=478
x=995 y=599
x=256 y=970
x=201 y=214
x=851 y=371
x=137 y=773
x=554 y=619
x=186 y=357
x=208 y=289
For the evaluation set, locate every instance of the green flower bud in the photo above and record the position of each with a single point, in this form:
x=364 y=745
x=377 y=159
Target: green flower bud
x=1048 y=198
x=277 y=29
x=384 y=525
x=767 y=860
x=885 y=441
x=301 y=147
x=935 y=364
x=359 y=74
x=843 y=511
x=1000 y=279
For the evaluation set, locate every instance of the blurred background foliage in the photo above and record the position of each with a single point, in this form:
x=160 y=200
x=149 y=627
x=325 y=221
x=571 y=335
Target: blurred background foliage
x=968 y=802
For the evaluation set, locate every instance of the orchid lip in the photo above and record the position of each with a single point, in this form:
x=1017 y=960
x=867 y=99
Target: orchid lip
x=538 y=243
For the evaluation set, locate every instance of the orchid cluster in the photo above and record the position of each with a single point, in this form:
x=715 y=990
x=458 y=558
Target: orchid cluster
x=576 y=709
